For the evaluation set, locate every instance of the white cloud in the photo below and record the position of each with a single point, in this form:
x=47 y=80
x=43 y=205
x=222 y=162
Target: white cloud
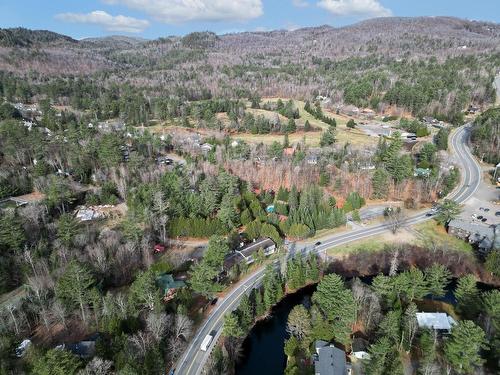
x=361 y=8
x=178 y=11
x=107 y=21
x=300 y=3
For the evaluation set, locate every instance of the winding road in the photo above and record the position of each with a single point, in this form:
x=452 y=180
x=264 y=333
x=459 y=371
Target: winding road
x=193 y=360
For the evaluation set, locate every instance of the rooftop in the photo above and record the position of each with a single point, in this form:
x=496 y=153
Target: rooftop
x=437 y=321
x=330 y=360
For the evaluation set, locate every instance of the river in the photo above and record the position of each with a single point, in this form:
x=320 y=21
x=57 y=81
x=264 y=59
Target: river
x=263 y=349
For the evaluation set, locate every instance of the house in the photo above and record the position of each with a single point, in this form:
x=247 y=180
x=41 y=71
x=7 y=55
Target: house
x=111 y=126
x=88 y=214
x=329 y=360
x=430 y=120
x=83 y=349
x=350 y=110
x=246 y=252
x=359 y=348
x=368 y=113
x=22 y=348
x=169 y=286
x=437 y=321
x=312 y=160
x=473 y=109
x=206 y=147
x=485 y=237
x=422 y=172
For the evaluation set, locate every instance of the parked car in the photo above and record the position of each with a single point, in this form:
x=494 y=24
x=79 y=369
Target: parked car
x=497 y=213
x=317 y=243
x=159 y=248
x=484 y=220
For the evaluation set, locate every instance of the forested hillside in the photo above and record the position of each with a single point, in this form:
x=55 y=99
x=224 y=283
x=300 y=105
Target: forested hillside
x=423 y=65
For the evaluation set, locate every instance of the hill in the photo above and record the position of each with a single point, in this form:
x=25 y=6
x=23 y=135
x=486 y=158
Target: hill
x=435 y=65
x=21 y=37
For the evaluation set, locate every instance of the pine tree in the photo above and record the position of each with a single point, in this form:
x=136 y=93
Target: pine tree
x=232 y=326
x=380 y=183
x=245 y=313
x=462 y=348
x=307 y=126
x=260 y=309
x=74 y=286
x=337 y=304
x=438 y=277
x=467 y=295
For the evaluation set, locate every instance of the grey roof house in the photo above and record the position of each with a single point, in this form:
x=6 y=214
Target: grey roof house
x=330 y=360
x=246 y=253
x=486 y=238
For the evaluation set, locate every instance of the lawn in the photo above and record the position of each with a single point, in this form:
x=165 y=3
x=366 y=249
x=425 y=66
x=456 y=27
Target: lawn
x=344 y=134
x=430 y=234
x=369 y=245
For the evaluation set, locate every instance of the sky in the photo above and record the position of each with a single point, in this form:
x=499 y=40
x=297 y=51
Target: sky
x=159 y=18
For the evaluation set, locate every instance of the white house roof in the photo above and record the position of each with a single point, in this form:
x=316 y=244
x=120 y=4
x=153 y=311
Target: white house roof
x=438 y=321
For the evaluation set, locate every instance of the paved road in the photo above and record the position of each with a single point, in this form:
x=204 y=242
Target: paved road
x=194 y=359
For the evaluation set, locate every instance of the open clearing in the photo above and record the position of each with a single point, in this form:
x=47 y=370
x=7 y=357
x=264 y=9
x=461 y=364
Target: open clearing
x=428 y=234
x=344 y=135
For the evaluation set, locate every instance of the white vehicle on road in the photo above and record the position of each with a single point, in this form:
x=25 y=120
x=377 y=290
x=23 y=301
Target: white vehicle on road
x=207 y=341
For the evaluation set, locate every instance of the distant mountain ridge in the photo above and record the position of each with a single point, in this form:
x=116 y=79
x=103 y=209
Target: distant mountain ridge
x=390 y=38
x=21 y=37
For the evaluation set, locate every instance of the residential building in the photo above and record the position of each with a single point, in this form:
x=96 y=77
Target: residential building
x=169 y=285
x=329 y=360
x=246 y=253
x=437 y=321
x=485 y=237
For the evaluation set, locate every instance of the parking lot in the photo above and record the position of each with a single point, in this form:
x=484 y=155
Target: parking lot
x=483 y=206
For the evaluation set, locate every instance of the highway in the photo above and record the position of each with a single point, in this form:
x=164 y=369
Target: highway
x=194 y=359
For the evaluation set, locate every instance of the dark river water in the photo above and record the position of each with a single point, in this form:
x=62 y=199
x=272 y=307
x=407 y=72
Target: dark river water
x=263 y=349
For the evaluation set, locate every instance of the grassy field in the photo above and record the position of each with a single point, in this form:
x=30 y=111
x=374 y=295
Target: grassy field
x=432 y=234
x=344 y=134
x=428 y=235
x=369 y=245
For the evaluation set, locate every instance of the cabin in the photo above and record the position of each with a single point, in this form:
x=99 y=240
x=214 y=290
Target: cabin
x=329 y=360
x=440 y=322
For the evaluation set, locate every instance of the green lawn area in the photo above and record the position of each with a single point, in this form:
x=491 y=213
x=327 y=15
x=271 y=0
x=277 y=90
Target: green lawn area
x=369 y=245
x=428 y=235
x=432 y=234
x=344 y=134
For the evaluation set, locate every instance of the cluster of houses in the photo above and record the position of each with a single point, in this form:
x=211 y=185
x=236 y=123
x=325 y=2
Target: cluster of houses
x=331 y=360
x=486 y=238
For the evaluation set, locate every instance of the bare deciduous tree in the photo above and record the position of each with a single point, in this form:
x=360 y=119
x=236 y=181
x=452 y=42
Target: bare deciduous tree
x=141 y=342
x=97 y=366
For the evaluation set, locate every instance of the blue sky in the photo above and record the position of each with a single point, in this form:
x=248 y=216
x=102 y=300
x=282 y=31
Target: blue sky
x=155 y=18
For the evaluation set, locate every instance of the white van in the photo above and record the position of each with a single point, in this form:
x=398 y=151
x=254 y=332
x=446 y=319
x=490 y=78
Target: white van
x=206 y=342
